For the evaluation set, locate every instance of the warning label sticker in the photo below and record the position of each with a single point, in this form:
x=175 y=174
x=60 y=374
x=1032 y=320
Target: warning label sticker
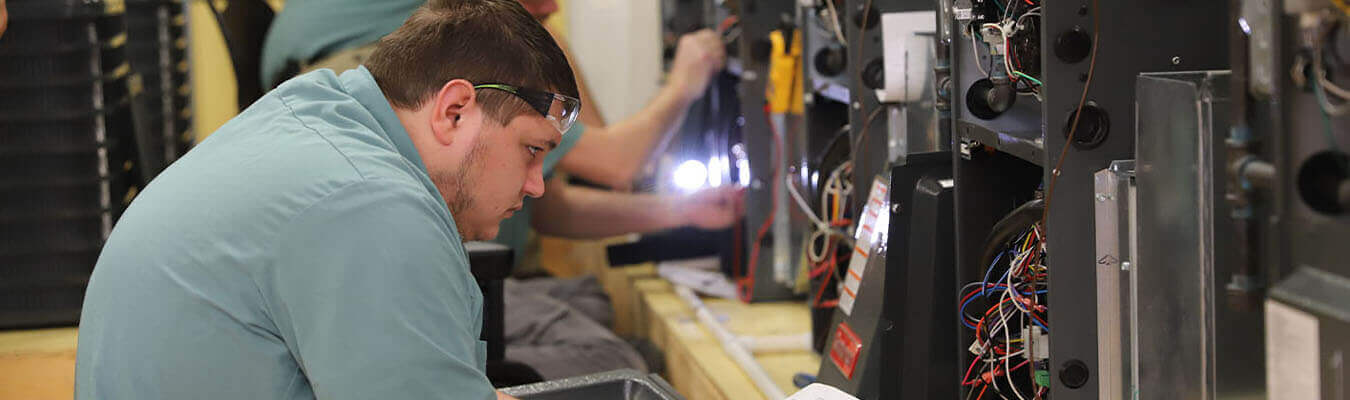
x=872 y=228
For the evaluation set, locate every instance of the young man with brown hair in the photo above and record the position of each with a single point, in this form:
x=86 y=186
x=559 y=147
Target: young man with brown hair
x=312 y=247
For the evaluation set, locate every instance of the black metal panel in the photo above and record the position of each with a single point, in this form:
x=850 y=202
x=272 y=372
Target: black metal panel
x=921 y=305
x=1305 y=236
x=66 y=151
x=1124 y=51
x=1299 y=233
x=1134 y=37
x=901 y=309
x=988 y=186
x=868 y=118
x=757 y=20
x=491 y=264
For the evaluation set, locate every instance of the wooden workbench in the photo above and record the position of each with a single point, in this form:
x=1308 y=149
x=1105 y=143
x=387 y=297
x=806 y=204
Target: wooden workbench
x=37 y=364
x=696 y=365
x=40 y=364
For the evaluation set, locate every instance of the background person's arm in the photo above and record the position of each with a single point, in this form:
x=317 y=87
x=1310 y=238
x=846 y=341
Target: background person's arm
x=581 y=213
x=590 y=110
x=614 y=155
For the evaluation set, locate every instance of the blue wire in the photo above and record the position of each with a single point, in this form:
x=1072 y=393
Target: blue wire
x=962 y=311
x=1038 y=323
x=983 y=288
x=984 y=291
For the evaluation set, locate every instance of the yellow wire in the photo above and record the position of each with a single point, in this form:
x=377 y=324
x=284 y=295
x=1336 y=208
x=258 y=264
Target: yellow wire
x=834 y=212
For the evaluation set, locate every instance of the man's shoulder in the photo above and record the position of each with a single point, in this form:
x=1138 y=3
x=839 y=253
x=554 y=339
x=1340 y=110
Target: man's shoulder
x=319 y=106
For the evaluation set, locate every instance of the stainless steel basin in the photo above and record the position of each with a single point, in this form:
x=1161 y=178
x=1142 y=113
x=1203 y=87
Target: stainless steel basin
x=624 y=384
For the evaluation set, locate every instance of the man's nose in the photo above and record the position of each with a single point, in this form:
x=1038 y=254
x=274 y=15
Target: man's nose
x=534 y=182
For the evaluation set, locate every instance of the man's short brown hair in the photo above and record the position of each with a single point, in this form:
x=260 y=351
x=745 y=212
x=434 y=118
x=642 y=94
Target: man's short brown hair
x=481 y=41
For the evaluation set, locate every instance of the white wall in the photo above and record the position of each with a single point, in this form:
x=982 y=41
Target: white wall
x=617 y=46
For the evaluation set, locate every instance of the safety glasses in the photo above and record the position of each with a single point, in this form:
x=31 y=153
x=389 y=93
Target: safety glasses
x=558 y=109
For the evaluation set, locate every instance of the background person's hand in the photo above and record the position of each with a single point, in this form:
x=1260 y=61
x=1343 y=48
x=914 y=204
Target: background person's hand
x=698 y=56
x=503 y=396
x=712 y=208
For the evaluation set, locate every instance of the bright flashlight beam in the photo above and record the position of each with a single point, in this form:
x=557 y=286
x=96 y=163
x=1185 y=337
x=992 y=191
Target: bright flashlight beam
x=691 y=175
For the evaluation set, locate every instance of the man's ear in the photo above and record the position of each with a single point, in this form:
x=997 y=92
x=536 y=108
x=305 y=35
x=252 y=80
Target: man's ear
x=450 y=107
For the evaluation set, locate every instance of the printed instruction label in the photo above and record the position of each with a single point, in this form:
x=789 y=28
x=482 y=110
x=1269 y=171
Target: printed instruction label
x=1292 y=373
x=872 y=228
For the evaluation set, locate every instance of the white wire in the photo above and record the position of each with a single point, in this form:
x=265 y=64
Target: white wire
x=1321 y=72
x=834 y=23
x=1324 y=86
x=1035 y=11
x=835 y=186
x=1331 y=86
x=806 y=209
x=1007 y=338
x=975 y=50
x=1007 y=61
x=1018 y=353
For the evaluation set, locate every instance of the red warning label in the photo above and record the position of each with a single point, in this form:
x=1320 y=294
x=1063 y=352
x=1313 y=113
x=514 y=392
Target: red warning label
x=844 y=349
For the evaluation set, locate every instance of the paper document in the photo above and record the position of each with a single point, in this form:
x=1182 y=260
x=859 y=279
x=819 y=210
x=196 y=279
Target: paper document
x=820 y=391
x=700 y=274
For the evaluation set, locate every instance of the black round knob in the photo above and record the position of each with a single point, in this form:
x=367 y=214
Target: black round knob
x=1001 y=97
x=1093 y=126
x=874 y=74
x=1324 y=184
x=830 y=61
x=1074 y=374
x=1073 y=46
x=987 y=100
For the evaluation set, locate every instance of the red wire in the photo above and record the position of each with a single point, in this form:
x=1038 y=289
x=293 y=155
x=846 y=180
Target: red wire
x=965 y=381
x=828 y=276
x=981 y=396
x=727 y=23
x=746 y=285
x=1008 y=53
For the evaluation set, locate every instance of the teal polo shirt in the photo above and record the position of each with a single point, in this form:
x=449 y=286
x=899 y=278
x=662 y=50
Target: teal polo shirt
x=299 y=252
x=306 y=29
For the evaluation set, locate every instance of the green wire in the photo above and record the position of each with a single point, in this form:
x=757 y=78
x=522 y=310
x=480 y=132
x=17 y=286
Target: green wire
x=1037 y=81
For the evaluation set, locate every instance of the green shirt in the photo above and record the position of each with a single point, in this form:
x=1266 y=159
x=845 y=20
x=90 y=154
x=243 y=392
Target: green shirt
x=299 y=252
x=308 y=29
